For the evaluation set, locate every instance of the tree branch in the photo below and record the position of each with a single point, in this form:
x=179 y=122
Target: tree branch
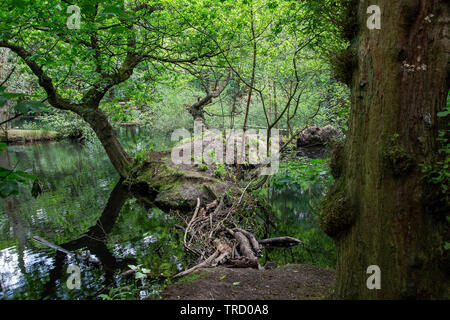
x=44 y=81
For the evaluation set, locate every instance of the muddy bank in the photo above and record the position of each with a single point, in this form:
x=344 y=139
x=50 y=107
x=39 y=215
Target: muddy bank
x=288 y=282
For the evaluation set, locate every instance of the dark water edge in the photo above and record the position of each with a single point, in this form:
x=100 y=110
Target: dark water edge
x=85 y=210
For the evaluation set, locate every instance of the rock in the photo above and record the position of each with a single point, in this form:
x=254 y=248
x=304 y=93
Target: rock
x=315 y=136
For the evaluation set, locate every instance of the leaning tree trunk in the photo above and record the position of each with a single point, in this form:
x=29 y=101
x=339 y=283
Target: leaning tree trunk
x=381 y=211
x=108 y=138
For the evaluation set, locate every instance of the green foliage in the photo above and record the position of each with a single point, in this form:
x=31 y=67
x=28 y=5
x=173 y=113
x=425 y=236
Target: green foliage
x=169 y=36
x=141 y=273
x=438 y=173
x=220 y=170
x=67 y=124
x=30 y=107
x=131 y=291
x=11 y=178
x=294 y=193
x=302 y=174
x=142 y=155
x=23 y=105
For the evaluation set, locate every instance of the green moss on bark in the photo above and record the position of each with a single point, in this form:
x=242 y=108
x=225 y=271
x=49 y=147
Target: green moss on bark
x=396 y=158
x=343 y=64
x=173 y=187
x=337 y=159
x=336 y=213
x=348 y=22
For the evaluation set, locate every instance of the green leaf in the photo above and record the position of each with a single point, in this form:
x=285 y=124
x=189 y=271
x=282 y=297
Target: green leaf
x=25 y=175
x=27 y=107
x=13 y=95
x=4 y=172
x=19 y=3
x=3 y=100
x=236 y=283
x=8 y=187
x=114 y=10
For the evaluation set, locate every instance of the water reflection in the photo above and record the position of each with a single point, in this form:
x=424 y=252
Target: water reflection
x=84 y=209
x=95 y=242
x=293 y=215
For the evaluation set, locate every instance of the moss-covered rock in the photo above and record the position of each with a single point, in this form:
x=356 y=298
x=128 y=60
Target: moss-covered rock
x=175 y=187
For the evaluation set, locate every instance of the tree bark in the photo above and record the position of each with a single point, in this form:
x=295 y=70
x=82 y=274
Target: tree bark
x=108 y=138
x=381 y=211
x=4 y=111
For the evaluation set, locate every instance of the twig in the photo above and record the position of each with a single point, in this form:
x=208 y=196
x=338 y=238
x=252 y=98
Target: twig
x=190 y=223
x=200 y=265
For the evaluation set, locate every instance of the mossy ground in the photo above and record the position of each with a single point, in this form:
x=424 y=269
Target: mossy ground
x=177 y=187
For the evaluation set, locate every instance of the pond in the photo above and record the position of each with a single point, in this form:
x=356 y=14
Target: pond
x=84 y=210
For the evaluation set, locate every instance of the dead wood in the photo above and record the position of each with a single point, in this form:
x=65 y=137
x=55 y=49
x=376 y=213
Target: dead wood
x=280 y=242
x=252 y=240
x=244 y=245
x=212 y=233
x=244 y=262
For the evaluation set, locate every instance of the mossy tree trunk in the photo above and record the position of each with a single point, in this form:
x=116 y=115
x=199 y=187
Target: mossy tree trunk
x=381 y=211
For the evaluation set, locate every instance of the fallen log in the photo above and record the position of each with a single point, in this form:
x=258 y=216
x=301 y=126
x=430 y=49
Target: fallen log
x=280 y=242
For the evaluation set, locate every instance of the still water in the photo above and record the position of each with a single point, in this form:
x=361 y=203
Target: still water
x=84 y=210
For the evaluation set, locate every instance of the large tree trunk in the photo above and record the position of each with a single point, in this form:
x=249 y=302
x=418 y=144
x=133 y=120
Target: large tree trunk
x=381 y=211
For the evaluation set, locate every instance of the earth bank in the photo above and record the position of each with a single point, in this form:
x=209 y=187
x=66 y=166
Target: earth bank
x=287 y=282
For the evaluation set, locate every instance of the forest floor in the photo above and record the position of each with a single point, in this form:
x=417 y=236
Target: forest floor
x=288 y=282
